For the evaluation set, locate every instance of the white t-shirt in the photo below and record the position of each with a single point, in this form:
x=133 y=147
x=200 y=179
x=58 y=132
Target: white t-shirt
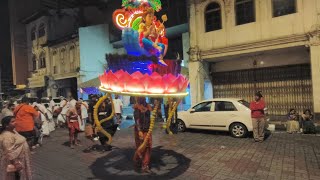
x=84 y=111
x=117 y=105
x=34 y=104
x=42 y=108
x=5 y=112
x=50 y=113
x=65 y=106
x=73 y=103
x=51 y=104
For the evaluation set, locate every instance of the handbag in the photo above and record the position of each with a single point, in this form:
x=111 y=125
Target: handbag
x=57 y=112
x=88 y=130
x=12 y=168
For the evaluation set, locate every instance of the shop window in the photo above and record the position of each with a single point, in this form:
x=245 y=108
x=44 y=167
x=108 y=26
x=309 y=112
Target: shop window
x=244 y=11
x=33 y=34
x=284 y=7
x=41 y=31
x=213 y=17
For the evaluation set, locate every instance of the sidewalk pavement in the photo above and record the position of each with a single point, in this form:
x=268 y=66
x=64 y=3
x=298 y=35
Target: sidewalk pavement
x=189 y=155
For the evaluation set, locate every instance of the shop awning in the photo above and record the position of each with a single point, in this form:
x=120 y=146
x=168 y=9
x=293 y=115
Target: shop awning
x=91 y=83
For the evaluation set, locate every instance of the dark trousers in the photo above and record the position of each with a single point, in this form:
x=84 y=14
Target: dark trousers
x=17 y=176
x=111 y=130
x=30 y=136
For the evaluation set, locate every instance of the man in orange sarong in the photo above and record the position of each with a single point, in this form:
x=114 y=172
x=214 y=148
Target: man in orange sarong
x=142 y=112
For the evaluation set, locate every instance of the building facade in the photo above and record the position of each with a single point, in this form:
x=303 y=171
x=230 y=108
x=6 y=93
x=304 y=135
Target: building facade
x=49 y=49
x=238 y=47
x=60 y=19
x=65 y=66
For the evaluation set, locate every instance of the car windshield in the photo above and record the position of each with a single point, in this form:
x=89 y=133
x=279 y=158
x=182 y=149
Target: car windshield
x=245 y=103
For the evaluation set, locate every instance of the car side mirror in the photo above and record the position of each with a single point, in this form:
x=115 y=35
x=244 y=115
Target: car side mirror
x=192 y=110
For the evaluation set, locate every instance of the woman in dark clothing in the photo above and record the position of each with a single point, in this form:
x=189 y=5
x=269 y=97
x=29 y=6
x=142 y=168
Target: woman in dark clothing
x=306 y=122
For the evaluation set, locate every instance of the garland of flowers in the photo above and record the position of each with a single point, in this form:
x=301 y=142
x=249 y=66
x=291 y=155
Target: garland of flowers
x=143 y=146
x=96 y=117
x=172 y=111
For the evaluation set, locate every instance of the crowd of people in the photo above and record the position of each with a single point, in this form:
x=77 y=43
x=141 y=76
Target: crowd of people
x=295 y=123
x=300 y=124
x=24 y=125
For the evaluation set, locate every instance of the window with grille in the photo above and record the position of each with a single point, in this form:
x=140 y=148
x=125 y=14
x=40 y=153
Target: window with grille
x=34 y=63
x=41 y=31
x=244 y=11
x=71 y=54
x=54 y=58
x=284 y=7
x=54 y=69
x=42 y=61
x=62 y=54
x=213 y=17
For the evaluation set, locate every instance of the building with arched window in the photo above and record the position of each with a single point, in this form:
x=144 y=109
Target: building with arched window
x=42 y=32
x=242 y=46
x=213 y=17
x=65 y=58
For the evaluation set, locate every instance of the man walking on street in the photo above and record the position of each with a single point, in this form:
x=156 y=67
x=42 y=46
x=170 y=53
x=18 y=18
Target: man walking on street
x=92 y=103
x=257 y=114
x=52 y=104
x=118 y=109
x=25 y=120
x=62 y=111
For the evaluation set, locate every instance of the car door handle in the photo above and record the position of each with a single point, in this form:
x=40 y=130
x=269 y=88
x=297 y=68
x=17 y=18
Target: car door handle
x=233 y=115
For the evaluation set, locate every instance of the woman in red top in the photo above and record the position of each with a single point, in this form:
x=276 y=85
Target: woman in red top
x=257 y=114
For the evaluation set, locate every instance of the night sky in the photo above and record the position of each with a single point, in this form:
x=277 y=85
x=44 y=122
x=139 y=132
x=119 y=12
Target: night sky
x=5 y=49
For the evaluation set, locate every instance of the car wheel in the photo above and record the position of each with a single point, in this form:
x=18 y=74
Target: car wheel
x=181 y=126
x=238 y=130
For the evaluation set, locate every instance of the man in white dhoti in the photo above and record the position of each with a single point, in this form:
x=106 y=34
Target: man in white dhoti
x=84 y=114
x=64 y=107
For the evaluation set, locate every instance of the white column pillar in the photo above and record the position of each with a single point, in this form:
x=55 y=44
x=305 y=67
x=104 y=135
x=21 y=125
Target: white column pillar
x=315 y=74
x=195 y=76
x=196 y=82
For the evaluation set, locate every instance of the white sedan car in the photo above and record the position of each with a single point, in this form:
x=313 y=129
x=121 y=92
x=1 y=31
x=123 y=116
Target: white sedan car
x=231 y=115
